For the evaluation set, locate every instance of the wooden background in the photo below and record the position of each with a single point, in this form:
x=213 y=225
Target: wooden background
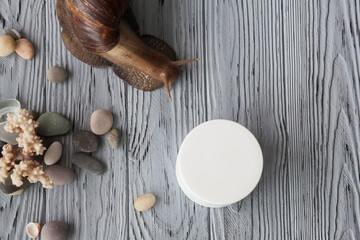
x=288 y=70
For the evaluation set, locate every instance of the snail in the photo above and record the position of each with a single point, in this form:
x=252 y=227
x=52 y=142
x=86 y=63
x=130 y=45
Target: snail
x=105 y=33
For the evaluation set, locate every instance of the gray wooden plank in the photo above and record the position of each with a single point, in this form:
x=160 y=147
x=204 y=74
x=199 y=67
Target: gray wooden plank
x=297 y=84
x=157 y=127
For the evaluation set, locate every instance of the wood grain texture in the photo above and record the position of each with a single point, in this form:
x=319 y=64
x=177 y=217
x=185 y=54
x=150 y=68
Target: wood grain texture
x=287 y=70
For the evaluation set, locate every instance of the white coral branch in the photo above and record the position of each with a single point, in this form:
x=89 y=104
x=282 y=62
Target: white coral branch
x=7 y=162
x=22 y=123
x=34 y=172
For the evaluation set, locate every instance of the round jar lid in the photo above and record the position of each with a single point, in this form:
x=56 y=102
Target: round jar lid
x=219 y=163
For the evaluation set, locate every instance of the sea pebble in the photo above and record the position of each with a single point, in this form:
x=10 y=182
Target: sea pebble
x=113 y=138
x=101 y=121
x=54 y=231
x=53 y=153
x=56 y=74
x=85 y=141
x=24 y=48
x=7 y=45
x=60 y=175
x=33 y=229
x=144 y=202
x=88 y=163
x=15 y=34
x=9 y=188
x=6 y=136
x=52 y=124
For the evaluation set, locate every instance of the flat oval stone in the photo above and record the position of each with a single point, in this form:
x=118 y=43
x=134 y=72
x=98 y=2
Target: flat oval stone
x=101 y=121
x=15 y=34
x=88 y=163
x=85 y=141
x=52 y=124
x=53 y=154
x=60 y=175
x=24 y=48
x=56 y=74
x=9 y=188
x=55 y=230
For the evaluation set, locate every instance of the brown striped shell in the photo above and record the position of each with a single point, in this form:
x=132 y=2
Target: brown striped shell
x=96 y=22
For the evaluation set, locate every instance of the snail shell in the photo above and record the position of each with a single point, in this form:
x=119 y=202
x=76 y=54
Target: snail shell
x=104 y=33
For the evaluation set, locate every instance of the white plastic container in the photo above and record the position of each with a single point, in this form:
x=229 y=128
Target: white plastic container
x=219 y=163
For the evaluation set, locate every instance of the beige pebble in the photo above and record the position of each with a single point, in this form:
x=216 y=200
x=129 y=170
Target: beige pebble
x=33 y=229
x=144 y=202
x=7 y=45
x=25 y=49
x=101 y=121
x=56 y=74
x=53 y=154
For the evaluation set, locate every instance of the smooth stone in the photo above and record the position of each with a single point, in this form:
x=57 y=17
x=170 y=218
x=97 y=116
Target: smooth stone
x=25 y=49
x=56 y=74
x=113 y=138
x=60 y=175
x=52 y=124
x=7 y=45
x=55 y=230
x=9 y=188
x=85 y=141
x=15 y=34
x=8 y=106
x=88 y=163
x=145 y=202
x=101 y=121
x=53 y=154
x=6 y=136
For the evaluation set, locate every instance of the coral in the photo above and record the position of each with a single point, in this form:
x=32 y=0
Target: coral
x=21 y=161
x=22 y=123
x=7 y=162
x=34 y=172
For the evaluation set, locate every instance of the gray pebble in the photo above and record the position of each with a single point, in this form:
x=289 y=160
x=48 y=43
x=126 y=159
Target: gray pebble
x=9 y=188
x=85 y=141
x=55 y=231
x=56 y=74
x=88 y=163
x=60 y=175
x=52 y=124
x=15 y=34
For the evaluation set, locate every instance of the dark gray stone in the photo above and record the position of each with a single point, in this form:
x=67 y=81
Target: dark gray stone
x=8 y=187
x=88 y=163
x=85 y=141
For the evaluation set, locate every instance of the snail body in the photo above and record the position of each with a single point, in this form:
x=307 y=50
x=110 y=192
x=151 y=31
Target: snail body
x=104 y=33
